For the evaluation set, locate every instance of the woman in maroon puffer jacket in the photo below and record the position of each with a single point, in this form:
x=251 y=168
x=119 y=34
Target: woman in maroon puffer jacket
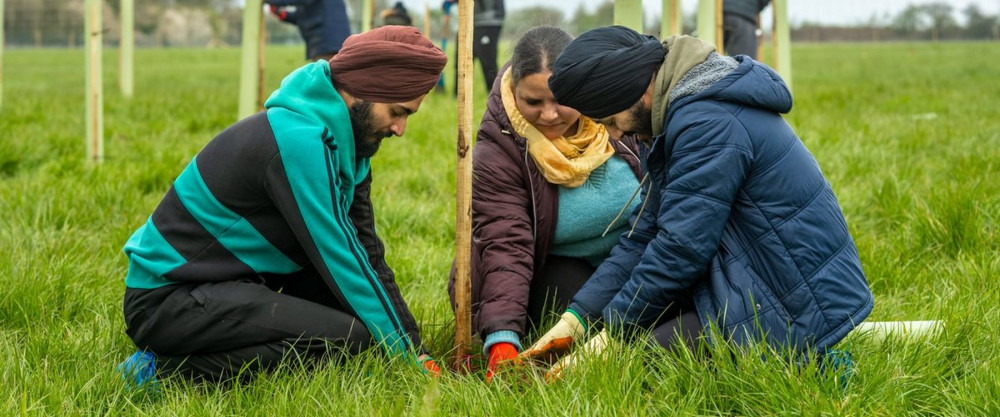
x=548 y=187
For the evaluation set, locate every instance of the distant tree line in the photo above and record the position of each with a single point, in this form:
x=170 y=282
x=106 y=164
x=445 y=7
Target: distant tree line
x=218 y=23
x=209 y=23
x=927 y=21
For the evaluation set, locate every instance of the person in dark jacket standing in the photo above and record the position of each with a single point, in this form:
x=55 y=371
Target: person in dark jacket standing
x=547 y=185
x=487 y=23
x=738 y=227
x=739 y=26
x=264 y=249
x=323 y=24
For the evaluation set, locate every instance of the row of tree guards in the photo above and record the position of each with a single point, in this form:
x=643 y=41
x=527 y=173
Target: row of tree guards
x=252 y=93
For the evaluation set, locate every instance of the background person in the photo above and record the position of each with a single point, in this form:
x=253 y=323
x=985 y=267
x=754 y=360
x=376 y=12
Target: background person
x=323 y=24
x=740 y=24
x=397 y=15
x=487 y=23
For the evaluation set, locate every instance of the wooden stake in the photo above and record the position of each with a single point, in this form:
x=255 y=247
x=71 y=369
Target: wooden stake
x=720 y=42
x=879 y=330
x=706 y=21
x=261 y=45
x=126 y=67
x=367 y=15
x=629 y=13
x=463 y=218
x=95 y=99
x=250 y=58
x=782 y=41
x=670 y=24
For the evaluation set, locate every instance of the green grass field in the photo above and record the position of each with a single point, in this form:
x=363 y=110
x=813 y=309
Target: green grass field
x=908 y=134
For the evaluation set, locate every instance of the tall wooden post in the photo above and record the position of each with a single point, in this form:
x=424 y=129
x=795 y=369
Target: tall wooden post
x=261 y=45
x=706 y=21
x=367 y=15
x=95 y=98
x=463 y=218
x=782 y=41
x=126 y=63
x=670 y=21
x=720 y=42
x=250 y=58
x=629 y=13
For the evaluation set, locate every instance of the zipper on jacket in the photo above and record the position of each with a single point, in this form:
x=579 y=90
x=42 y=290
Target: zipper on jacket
x=531 y=191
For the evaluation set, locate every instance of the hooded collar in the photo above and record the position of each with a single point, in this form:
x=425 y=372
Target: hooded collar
x=683 y=53
x=309 y=92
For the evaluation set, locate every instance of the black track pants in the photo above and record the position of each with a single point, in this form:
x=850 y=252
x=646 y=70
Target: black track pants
x=682 y=329
x=740 y=35
x=216 y=330
x=554 y=287
x=484 y=48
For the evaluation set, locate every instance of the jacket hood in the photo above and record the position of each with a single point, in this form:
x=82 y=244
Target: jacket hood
x=309 y=92
x=751 y=84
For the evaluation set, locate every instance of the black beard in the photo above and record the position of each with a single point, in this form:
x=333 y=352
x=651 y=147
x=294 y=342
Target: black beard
x=643 y=117
x=366 y=140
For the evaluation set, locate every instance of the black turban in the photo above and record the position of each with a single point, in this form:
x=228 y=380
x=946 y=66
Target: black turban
x=605 y=70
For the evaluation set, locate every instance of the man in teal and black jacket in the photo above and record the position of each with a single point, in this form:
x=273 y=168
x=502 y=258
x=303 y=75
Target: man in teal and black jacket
x=265 y=247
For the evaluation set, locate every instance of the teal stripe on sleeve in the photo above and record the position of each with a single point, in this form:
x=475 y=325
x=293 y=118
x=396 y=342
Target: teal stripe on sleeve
x=307 y=166
x=150 y=257
x=232 y=230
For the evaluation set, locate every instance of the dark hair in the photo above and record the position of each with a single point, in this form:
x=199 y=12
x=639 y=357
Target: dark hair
x=537 y=50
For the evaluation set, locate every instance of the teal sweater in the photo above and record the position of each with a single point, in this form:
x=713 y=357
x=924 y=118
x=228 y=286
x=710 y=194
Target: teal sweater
x=586 y=211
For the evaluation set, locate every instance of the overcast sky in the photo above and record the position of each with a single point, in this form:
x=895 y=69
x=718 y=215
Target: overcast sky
x=823 y=11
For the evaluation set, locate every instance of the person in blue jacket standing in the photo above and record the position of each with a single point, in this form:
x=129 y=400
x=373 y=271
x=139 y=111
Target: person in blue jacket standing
x=738 y=228
x=323 y=24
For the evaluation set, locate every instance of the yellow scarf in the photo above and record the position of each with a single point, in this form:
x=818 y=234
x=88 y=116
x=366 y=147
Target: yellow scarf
x=565 y=161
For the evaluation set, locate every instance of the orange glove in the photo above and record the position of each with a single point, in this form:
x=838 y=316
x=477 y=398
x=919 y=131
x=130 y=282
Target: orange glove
x=501 y=354
x=430 y=366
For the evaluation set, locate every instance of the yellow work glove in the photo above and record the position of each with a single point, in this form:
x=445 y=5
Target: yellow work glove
x=594 y=347
x=557 y=341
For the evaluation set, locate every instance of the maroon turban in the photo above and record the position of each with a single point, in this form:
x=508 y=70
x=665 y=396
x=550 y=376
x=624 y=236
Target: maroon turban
x=391 y=64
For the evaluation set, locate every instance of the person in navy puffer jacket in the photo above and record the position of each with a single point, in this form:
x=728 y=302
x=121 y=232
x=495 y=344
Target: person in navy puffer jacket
x=323 y=24
x=738 y=227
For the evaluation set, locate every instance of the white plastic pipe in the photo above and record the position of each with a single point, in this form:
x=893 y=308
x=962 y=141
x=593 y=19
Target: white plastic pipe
x=879 y=330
